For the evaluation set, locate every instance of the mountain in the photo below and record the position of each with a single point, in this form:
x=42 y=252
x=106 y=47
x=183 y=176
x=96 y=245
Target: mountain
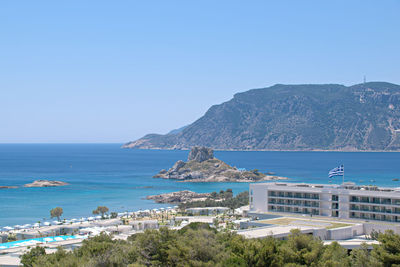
x=362 y=117
x=176 y=131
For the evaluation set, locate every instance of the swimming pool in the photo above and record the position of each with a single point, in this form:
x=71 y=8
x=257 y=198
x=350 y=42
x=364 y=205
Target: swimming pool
x=35 y=241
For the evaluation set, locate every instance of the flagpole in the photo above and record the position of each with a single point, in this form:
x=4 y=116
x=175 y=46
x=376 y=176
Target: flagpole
x=343 y=173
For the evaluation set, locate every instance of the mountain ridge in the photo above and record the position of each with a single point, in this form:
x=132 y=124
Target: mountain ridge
x=303 y=117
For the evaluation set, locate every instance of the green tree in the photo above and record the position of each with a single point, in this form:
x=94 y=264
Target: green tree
x=388 y=251
x=301 y=249
x=30 y=258
x=100 y=210
x=56 y=212
x=335 y=255
x=360 y=257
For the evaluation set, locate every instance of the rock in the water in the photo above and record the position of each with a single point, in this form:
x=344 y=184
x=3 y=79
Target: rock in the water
x=45 y=183
x=7 y=187
x=179 y=197
x=200 y=154
x=203 y=167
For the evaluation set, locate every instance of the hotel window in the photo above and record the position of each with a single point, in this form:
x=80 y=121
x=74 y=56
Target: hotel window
x=355 y=199
x=335 y=198
x=376 y=200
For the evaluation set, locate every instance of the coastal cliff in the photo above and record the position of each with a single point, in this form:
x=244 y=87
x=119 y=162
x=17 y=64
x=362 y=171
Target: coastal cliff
x=362 y=117
x=203 y=167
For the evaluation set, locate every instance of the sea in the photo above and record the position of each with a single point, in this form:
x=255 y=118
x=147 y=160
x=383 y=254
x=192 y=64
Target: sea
x=107 y=175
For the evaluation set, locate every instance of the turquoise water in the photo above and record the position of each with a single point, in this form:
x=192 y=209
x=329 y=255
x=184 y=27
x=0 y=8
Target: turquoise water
x=104 y=174
x=34 y=241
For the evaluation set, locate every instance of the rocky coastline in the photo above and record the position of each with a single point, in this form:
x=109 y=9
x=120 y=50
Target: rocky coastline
x=203 y=167
x=179 y=197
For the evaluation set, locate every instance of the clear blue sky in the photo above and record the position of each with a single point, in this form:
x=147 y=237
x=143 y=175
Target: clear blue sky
x=112 y=71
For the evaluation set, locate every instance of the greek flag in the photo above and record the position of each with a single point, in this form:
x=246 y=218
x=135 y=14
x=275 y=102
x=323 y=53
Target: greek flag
x=338 y=171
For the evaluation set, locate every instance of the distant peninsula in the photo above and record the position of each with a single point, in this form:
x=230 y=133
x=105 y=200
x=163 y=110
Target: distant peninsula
x=203 y=167
x=305 y=117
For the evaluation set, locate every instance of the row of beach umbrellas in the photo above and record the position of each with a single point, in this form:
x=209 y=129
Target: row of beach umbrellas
x=36 y=225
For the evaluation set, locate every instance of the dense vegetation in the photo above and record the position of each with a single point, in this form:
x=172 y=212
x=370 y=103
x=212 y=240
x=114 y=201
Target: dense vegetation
x=295 y=117
x=199 y=245
x=221 y=199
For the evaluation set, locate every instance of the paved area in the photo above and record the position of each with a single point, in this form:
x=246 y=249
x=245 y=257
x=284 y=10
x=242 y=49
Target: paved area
x=274 y=231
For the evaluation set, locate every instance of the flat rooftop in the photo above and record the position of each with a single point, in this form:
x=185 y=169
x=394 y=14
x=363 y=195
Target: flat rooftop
x=347 y=185
x=273 y=231
x=299 y=222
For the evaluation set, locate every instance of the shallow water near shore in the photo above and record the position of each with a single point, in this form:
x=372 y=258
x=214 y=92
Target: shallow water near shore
x=105 y=174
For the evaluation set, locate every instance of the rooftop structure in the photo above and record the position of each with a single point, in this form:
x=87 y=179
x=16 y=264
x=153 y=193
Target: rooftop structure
x=346 y=201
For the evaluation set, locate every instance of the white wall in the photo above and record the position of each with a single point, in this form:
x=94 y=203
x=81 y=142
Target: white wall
x=260 y=198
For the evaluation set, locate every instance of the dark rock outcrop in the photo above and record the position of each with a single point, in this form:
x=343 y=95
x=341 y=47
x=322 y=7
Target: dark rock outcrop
x=363 y=117
x=200 y=154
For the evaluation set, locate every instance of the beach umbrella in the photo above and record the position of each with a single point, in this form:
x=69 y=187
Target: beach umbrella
x=26 y=226
x=98 y=217
x=36 y=225
x=46 y=223
x=17 y=226
x=54 y=222
x=8 y=228
x=90 y=218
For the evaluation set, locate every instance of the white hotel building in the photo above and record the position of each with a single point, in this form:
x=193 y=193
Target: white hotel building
x=344 y=201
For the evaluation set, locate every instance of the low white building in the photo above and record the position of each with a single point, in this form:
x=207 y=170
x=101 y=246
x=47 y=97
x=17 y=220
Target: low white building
x=208 y=210
x=344 y=201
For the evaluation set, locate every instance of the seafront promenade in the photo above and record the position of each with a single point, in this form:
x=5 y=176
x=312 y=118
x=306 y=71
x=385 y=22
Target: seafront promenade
x=69 y=234
x=89 y=225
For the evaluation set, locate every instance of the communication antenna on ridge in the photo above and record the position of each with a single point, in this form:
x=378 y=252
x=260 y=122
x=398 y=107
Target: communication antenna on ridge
x=365 y=79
